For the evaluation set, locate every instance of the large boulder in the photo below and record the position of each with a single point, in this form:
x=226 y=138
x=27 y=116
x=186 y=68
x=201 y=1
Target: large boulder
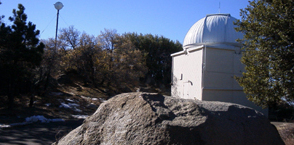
x=145 y=118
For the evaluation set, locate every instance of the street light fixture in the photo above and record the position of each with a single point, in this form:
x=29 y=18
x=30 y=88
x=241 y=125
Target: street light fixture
x=58 y=6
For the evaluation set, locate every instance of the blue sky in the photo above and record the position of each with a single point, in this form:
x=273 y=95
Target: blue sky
x=169 y=18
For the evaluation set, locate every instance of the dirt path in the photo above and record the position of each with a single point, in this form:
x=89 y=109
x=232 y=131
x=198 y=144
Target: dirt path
x=38 y=133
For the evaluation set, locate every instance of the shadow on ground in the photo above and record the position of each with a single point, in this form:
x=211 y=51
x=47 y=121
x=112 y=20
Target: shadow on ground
x=38 y=133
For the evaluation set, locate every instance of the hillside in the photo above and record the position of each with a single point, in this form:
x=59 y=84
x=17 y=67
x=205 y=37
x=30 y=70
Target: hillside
x=66 y=98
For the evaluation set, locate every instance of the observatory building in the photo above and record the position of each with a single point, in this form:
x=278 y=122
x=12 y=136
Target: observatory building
x=210 y=59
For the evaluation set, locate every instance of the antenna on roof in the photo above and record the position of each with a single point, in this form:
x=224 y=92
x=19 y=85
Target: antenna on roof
x=219 y=8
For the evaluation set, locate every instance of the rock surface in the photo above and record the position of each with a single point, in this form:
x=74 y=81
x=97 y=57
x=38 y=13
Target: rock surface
x=144 y=118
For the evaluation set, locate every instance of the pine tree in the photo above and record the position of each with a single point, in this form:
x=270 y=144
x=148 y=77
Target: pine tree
x=268 y=54
x=20 y=53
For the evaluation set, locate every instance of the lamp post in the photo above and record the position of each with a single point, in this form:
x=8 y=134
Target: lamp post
x=58 y=6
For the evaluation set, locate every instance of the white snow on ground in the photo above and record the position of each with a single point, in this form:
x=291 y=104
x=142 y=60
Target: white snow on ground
x=32 y=119
x=70 y=106
x=69 y=100
x=85 y=97
x=4 y=126
x=42 y=119
x=102 y=100
x=48 y=104
x=94 y=99
x=80 y=116
x=78 y=110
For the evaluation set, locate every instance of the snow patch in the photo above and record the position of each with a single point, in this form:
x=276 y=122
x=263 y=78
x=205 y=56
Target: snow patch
x=77 y=110
x=36 y=118
x=70 y=106
x=102 y=100
x=32 y=119
x=42 y=119
x=4 y=126
x=94 y=99
x=80 y=116
x=69 y=100
x=85 y=97
x=48 y=104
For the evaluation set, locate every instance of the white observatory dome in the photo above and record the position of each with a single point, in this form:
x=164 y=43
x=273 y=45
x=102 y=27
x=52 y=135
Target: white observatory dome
x=213 y=29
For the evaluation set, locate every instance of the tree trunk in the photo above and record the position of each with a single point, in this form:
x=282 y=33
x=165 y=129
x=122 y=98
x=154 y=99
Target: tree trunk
x=47 y=80
x=31 y=100
x=11 y=93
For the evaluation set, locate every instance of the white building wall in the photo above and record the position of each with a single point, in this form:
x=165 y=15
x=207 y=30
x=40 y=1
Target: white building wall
x=218 y=75
x=195 y=74
x=207 y=73
x=219 y=69
x=219 y=84
x=187 y=75
x=177 y=75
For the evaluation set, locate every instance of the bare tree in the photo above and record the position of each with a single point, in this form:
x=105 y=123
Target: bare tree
x=70 y=36
x=107 y=41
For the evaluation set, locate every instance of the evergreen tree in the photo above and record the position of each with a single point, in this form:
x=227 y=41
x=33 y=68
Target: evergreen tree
x=20 y=53
x=268 y=54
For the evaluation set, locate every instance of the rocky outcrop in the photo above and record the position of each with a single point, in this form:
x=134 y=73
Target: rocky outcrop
x=144 y=118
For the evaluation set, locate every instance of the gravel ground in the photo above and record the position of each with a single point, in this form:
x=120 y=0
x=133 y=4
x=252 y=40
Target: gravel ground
x=38 y=133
